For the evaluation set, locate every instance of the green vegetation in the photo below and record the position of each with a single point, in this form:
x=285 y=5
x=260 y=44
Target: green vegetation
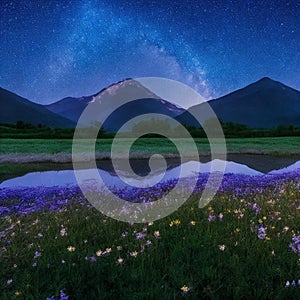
x=22 y=130
x=279 y=146
x=210 y=253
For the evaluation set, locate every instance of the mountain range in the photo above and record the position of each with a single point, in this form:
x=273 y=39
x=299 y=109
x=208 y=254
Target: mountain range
x=263 y=104
x=15 y=108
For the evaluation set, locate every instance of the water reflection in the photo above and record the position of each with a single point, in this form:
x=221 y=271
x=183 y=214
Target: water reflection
x=67 y=177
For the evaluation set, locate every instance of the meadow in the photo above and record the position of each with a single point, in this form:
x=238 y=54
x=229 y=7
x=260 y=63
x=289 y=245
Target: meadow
x=244 y=245
x=271 y=145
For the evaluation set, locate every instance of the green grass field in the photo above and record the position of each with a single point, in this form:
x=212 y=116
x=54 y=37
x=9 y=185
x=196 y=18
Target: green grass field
x=278 y=146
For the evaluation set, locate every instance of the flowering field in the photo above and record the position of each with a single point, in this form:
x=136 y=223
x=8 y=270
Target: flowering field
x=244 y=245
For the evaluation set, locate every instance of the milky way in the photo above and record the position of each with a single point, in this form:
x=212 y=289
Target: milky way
x=71 y=48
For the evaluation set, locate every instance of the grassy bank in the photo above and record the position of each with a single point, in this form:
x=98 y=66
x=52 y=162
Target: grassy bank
x=277 y=146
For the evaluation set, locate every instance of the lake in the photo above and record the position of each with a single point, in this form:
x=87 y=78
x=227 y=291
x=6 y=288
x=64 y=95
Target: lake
x=253 y=165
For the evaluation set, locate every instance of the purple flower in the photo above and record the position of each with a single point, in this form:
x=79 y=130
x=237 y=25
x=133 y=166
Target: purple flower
x=211 y=217
x=62 y=296
x=256 y=208
x=295 y=244
x=37 y=254
x=140 y=235
x=261 y=232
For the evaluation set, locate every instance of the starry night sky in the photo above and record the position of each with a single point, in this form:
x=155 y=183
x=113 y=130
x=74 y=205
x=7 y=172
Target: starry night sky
x=53 y=49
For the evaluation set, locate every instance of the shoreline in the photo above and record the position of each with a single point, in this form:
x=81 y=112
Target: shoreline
x=19 y=158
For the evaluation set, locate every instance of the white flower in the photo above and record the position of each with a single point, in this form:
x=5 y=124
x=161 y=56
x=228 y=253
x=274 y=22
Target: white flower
x=222 y=247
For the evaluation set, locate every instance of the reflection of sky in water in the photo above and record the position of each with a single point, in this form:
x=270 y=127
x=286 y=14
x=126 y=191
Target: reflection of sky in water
x=67 y=177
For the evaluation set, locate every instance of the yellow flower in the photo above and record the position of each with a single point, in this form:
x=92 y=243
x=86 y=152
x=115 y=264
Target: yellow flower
x=209 y=208
x=185 y=289
x=193 y=222
x=108 y=250
x=264 y=218
x=99 y=253
x=237 y=229
x=17 y=293
x=150 y=223
x=268 y=238
x=260 y=221
x=175 y=222
x=71 y=249
x=273 y=227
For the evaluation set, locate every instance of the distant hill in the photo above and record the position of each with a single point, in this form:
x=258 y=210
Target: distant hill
x=15 y=108
x=262 y=104
x=107 y=99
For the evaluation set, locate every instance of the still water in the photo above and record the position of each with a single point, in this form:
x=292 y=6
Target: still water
x=238 y=164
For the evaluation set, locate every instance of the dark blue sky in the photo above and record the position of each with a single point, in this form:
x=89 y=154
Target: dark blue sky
x=53 y=49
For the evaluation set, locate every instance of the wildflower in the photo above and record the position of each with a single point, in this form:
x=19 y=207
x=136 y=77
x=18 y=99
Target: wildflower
x=211 y=217
x=71 y=249
x=9 y=281
x=285 y=228
x=237 y=230
x=256 y=208
x=40 y=235
x=63 y=261
x=35 y=221
x=185 y=289
x=140 y=235
x=125 y=233
x=119 y=248
x=193 y=223
x=295 y=244
x=150 y=223
x=175 y=222
x=268 y=238
x=261 y=232
x=220 y=216
x=37 y=254
x=156 y=234
x=222 y=247
x=260 y=221
x=134 y=254
x=92 y=259
x=120 y=261
x=63 y=232
x=99 y=253
x=287 y=284
x=273 y=252
x=108 y=250
x=17 y=293
x=209 y=208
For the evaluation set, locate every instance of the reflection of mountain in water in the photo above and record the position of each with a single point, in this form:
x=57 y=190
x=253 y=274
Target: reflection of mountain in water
x=191 y=168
